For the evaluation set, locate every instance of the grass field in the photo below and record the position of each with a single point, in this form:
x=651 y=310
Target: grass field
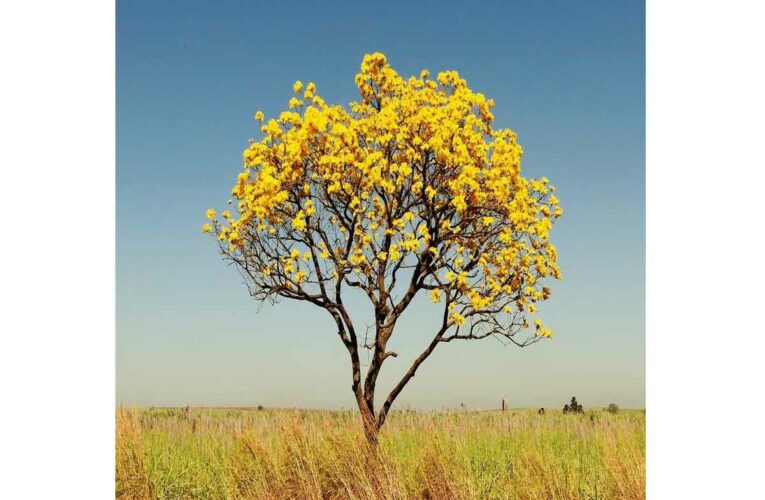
x=170 y=453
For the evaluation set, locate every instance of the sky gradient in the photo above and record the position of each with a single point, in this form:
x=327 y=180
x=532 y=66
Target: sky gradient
x=567 y=77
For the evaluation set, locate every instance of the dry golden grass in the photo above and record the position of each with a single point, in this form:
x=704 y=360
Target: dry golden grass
x=242 y=453
x=132 y=477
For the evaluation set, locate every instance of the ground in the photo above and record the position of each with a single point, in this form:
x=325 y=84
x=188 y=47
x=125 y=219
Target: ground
x=175 y=453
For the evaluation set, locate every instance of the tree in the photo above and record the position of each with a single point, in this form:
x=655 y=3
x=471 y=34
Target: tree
x=573 y=407
x=409 y=191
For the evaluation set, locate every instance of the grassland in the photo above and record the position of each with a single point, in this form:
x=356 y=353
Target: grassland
x=169 y=453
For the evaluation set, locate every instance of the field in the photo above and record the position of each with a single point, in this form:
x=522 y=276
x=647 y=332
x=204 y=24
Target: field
x=171 y=453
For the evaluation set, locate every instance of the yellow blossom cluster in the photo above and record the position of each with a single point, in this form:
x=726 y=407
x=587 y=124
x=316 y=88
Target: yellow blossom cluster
x=413 y=176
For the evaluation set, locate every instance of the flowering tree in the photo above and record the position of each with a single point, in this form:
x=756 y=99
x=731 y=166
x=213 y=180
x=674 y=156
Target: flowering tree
x=410 y=190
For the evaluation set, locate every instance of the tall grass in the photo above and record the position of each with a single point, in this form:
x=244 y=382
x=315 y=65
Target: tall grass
x=241 y=453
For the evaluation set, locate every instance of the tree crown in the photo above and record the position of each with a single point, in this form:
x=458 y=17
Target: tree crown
x=409 y=189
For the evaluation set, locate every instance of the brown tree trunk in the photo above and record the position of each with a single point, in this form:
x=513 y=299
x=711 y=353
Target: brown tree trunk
x=369 y=424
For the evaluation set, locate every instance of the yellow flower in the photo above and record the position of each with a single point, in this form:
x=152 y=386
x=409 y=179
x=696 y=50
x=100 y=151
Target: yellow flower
x=458 y=318
x=234 y=238
x=259 y=116
x=315 y=120
x=294 y=103
x=299 y=221
x=297 y=86
x=295 y=254
x=394 y=253
x=459 y=203
x=206 y=228
x=210 y=214
x=462 y=278
x=226 y=214
x=309 y=208
x=435 y=295
x=357 y=258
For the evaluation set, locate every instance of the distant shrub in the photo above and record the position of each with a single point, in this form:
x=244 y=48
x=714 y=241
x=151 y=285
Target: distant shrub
x=613 y=408
x=573 y=407
x=260 y=407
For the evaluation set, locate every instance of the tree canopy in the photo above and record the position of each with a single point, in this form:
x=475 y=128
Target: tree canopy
x=408 y=190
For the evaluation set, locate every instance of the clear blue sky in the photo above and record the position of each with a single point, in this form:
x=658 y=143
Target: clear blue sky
x=568 y=77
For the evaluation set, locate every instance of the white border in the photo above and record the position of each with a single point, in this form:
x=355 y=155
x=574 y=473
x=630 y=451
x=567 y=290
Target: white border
x=57 y=254
x=704 y=253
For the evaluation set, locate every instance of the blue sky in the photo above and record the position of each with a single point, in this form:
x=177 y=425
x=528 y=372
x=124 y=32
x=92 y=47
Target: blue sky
x=568 y=77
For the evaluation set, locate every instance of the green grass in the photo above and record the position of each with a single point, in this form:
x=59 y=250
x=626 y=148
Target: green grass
x=244 y=453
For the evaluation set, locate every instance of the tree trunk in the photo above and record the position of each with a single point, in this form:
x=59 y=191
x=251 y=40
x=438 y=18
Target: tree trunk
x=369 y=424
